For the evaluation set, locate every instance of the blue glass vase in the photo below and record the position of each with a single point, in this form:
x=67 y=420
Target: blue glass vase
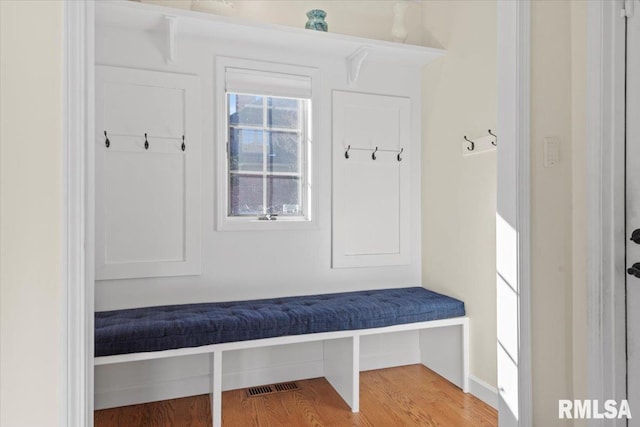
x=316 y=20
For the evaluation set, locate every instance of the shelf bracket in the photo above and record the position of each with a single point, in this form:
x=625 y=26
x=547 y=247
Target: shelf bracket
x=172 y=39
x=354 y=64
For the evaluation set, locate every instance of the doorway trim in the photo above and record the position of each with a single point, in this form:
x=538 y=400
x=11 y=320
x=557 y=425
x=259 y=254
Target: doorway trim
x=77 y=252
x=606 y=327
x=78 y=255
x=513 y=213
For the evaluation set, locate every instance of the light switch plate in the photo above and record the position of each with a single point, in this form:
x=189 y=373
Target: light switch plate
x=551 y=152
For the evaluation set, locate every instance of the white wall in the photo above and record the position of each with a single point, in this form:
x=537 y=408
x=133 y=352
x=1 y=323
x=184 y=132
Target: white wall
x=31 y=286
x=306 y=253
x=459 y=193
x=361 y=18
x=579 y=200
x=558 y=91
x=248 y=264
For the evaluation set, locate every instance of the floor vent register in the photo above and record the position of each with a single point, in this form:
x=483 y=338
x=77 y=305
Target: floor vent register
x=271 y=389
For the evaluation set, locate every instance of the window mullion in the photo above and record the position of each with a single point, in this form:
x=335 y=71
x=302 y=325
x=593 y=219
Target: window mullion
x=264 y=155
x=273 y=129
x=302 y=156
x=228 y=151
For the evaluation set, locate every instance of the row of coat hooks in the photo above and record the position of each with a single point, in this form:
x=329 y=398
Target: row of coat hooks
x=494 y=142
x=107 y=143
x=373 y=154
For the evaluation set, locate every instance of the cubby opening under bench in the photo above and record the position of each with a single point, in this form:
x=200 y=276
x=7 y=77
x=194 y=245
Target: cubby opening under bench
x=337 y=320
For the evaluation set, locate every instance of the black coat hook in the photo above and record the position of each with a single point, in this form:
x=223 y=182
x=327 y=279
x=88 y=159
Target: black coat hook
x=184 y=147
x=400 y=158
x=346 y=153
x=146 y=143
x=473 y=144
x=373 y=155
x=107 y=143
x=495 y=143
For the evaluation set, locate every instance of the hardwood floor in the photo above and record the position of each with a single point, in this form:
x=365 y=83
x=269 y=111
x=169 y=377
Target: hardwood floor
x=404 y=396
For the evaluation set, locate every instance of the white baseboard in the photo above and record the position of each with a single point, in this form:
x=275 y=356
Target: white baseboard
x=483 y=391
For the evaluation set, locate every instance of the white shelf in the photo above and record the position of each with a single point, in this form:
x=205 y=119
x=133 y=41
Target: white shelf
x=128 y=14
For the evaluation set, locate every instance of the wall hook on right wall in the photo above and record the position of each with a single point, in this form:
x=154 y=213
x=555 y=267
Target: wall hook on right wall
x=482 y=144
x=473 y=144
x=495 y=143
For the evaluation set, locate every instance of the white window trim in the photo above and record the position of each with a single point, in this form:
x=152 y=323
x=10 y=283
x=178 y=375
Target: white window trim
x=224 y=222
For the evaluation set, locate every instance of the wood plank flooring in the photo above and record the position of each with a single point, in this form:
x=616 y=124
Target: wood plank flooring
x=404 y=396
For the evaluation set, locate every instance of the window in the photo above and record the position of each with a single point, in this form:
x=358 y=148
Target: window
x=267 y=134
x=266 y=156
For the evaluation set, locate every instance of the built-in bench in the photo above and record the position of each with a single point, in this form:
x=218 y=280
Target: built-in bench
x=339 y=320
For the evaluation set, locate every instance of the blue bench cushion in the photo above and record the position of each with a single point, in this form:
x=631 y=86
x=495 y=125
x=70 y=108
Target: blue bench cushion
x=192 y=325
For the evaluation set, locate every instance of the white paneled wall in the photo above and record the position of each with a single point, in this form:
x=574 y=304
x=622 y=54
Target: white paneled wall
x=371 y=187
x=147 y=185
x=240 y=265
x=243 y=265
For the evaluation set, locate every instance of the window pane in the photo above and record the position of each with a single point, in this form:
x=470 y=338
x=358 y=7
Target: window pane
x=283 y=152
x=245 y=150
x=265 y=138
x=283 y=113
x=245 y=110
x=283 y=195
x=245 y=195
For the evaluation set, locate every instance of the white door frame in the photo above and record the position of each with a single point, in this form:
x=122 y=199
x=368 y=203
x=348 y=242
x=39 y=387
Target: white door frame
x=78 y=215
x=513 y=219
x=513 y=167
x=605 y=198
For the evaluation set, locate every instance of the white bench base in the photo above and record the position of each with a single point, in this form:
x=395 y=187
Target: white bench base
x=341 y=356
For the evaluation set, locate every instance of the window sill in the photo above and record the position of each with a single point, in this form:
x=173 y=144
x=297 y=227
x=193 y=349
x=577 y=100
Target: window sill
x=245 y=224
